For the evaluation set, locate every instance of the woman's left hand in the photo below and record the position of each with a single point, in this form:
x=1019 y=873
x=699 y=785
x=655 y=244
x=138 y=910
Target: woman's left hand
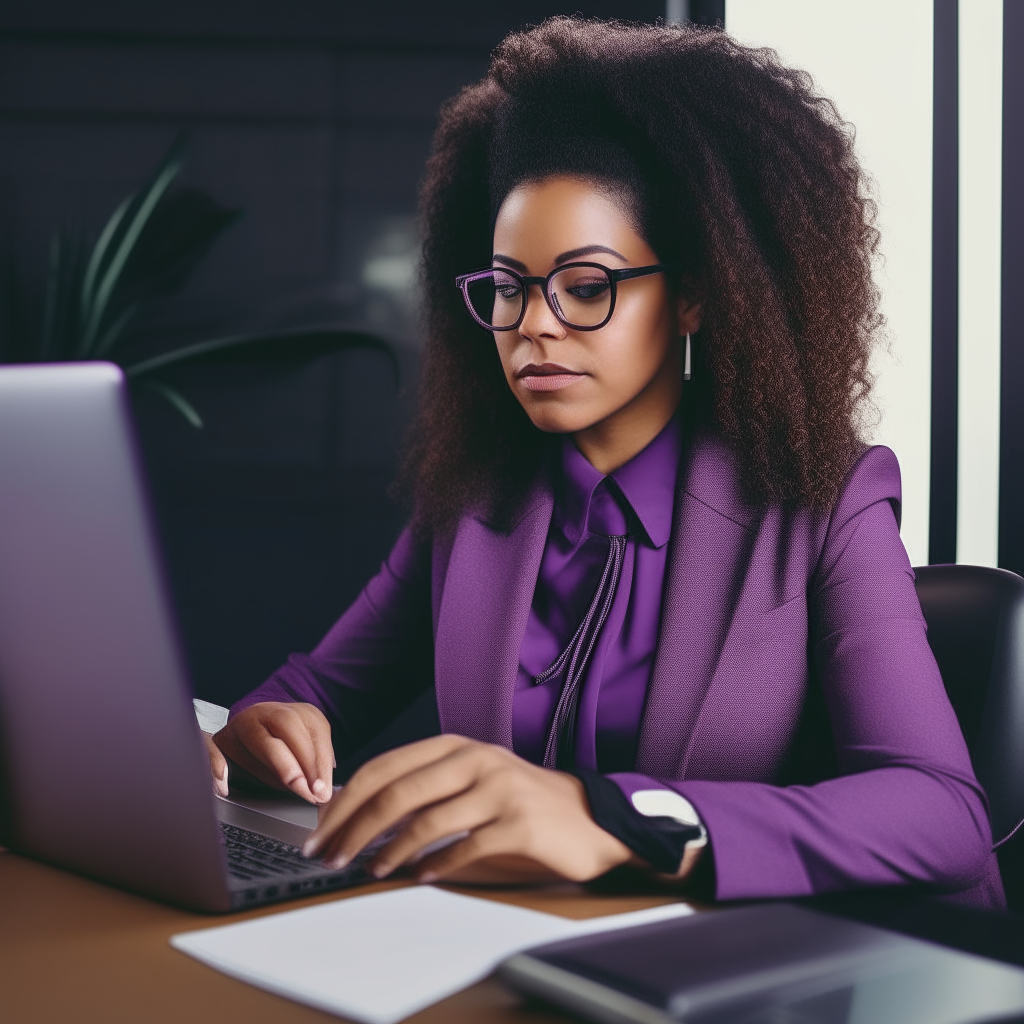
x=525 y=823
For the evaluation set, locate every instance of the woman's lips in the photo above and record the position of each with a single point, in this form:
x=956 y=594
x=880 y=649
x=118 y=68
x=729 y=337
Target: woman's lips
x=549 y=381
x=549 y=377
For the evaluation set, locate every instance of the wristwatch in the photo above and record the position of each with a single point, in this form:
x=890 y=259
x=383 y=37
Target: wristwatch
x=658 y=825
x=667 y=803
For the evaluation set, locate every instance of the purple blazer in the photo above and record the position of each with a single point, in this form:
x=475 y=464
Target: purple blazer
x=766 y=615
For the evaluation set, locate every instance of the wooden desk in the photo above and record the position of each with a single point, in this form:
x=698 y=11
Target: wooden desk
x=73 y=950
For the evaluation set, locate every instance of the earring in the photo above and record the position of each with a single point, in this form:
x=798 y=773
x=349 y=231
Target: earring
x=687 y=374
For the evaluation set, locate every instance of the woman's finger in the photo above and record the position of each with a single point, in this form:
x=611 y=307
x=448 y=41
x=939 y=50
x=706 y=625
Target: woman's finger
x=491 y=840
x=218 y=766
x=278 y=754
x=320 y=732
x=292 y=729
x=341 y=838
x=393 y=764
x=462 y=813
x=374 y=777
x=233 y=748
x=273 y=752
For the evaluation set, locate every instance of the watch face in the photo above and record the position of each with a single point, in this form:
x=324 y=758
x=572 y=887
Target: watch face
x=664 y=803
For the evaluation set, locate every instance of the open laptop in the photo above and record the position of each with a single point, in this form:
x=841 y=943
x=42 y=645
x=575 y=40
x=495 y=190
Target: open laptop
x=103 y=766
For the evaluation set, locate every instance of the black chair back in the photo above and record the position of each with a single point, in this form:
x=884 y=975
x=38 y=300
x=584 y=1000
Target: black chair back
x=975 y=619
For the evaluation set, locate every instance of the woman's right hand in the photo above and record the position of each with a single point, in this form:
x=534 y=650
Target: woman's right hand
x=287 y=746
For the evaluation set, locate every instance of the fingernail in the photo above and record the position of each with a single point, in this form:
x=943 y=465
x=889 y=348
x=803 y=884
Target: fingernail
x=380 y=870
x=319 y=787
x=337 y=863
x=310 y=846
x=427 y=877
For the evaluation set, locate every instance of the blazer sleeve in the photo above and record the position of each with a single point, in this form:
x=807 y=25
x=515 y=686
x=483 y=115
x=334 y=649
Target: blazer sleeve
x=906 y=806
x=375 y=659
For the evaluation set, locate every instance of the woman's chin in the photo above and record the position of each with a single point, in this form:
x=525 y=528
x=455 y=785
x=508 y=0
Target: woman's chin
x=560 y=421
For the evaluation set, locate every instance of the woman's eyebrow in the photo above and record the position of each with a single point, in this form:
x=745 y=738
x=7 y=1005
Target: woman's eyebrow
x=509 y=262
x=564 y=257
x=586 y=250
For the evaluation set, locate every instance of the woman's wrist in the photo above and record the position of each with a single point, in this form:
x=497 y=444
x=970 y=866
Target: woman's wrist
x=670 y=845
x=609 y=850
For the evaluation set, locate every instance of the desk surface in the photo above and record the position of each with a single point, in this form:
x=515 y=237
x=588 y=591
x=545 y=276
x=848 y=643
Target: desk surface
x=73 y=949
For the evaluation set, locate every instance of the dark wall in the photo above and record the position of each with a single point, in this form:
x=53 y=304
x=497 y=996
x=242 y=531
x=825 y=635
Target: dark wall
x=1011 y=427
x=945 y=277
x=315 y=118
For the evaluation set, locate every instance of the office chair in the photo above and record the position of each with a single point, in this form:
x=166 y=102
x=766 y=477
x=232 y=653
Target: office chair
x=975 y=619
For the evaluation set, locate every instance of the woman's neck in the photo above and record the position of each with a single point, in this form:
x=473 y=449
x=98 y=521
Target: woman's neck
x=613 y=441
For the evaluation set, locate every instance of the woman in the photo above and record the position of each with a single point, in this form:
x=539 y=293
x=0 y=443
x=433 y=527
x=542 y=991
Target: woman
x=653 y=576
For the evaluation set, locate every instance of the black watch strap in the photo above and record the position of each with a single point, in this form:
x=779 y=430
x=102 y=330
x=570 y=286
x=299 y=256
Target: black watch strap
x=660 y=841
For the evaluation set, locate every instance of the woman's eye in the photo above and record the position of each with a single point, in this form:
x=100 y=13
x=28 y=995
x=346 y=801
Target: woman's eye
x=508 y=291
x=588 y=289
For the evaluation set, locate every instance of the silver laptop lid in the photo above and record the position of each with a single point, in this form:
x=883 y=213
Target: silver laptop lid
x=103 y=760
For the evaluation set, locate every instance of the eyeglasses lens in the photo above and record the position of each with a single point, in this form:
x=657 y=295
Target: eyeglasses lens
x=581 y=296
x=497 y=299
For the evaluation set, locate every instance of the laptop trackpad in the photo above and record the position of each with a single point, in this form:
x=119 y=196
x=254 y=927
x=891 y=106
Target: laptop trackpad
x=288 y=819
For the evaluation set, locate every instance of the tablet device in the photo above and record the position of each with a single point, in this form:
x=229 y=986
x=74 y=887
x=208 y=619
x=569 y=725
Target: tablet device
x=766 y=964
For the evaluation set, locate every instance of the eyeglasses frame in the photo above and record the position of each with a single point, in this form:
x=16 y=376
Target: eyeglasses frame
x=463 y=281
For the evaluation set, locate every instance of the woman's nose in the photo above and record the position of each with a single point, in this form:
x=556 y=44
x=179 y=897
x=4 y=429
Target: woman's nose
x=539 y=321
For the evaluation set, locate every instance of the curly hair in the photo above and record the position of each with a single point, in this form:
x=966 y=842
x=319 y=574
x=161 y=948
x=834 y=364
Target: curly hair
x=733 y=166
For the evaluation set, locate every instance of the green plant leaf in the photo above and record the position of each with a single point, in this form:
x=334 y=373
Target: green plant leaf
x=98 y=254
x=177 y=401
x=290 y=346
x=134 y=219
x=183 y=226
x=114 y=331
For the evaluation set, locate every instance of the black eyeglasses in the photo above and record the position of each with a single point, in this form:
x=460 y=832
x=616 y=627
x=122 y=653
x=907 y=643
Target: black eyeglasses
x=581 y=295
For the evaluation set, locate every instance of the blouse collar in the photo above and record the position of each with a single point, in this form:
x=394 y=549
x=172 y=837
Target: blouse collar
x=644 y=486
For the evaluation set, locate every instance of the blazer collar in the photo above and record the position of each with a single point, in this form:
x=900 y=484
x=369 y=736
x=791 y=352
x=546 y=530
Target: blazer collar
x=488 y=592
x=710 y=474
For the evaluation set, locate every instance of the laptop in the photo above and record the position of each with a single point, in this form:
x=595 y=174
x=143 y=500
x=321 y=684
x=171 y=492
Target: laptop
x=103 y=768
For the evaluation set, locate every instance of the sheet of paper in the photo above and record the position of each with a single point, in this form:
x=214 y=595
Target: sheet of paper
x=211 y=717
x=382 y=957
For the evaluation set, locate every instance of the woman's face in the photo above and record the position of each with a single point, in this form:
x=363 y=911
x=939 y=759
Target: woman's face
x=625 y=377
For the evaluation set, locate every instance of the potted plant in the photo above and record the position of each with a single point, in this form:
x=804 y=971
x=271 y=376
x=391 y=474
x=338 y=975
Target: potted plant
x=148 y=249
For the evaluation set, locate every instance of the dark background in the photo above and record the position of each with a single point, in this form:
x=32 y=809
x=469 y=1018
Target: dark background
x=315 y=118
x=1011 y=408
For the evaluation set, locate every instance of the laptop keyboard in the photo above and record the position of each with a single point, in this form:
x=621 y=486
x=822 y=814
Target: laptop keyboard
x=252 y=856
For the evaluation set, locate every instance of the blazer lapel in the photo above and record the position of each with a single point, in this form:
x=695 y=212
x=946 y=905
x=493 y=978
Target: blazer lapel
x=488 y=592
x=712 y=539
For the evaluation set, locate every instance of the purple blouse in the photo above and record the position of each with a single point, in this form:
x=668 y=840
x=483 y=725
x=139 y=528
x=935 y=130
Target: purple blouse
x=636 y=500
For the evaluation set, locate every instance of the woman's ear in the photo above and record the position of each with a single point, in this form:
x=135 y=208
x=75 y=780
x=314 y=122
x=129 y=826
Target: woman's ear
x=688 y=315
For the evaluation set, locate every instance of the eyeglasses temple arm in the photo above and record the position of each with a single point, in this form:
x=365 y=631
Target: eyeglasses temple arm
x=631 y=272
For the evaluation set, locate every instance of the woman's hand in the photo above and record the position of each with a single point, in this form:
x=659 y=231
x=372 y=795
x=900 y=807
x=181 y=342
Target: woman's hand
x=287 y=746
x=525 y=823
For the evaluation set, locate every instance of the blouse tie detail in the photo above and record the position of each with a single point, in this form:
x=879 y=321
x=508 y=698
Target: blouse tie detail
x=575 y=659
x=587 y=649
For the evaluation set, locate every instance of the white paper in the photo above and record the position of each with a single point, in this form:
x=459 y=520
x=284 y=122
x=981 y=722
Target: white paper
x=382 y=957
x=211 y=717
